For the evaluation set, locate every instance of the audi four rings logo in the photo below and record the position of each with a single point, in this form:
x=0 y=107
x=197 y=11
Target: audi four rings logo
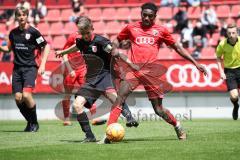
x=194 y=79
x=145 y=40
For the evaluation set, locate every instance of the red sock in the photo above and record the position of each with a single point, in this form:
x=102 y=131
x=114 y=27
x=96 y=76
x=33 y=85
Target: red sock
x=93 y=109
x=66 y=108
x=114 y=114
x=169 y=118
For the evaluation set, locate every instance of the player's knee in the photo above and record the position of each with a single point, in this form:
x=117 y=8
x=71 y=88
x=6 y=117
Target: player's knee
x=18 y=97
x=234 y=97
x=26 y=96
x=78 y=106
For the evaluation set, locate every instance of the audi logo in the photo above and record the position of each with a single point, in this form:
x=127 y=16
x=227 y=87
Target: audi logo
x=145 y=40
x=189 y=76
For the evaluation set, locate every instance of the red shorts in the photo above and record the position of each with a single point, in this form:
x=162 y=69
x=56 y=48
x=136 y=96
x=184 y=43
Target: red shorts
x=149 y=76
x=76 y=82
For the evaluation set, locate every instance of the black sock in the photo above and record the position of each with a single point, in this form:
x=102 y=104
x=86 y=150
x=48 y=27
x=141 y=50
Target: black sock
x=24 y=110
x=84 y=123
x=235 y=103
x=126 y=112
x=33 y=115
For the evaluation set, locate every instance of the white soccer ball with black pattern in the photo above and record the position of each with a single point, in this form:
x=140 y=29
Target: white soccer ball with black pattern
x=115 y=132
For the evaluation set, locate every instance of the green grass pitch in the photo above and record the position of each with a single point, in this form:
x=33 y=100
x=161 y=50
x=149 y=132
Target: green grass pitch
x=207 y=140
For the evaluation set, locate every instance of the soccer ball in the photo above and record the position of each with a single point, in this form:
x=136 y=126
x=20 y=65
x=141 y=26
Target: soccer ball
x=115 y=132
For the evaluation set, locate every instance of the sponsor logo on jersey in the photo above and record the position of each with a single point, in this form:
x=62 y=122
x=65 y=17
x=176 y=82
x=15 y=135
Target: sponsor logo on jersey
x=145 y=40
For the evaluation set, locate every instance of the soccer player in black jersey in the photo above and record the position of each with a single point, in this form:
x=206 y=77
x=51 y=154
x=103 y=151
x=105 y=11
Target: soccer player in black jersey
x=99 y=82
x=25 y=41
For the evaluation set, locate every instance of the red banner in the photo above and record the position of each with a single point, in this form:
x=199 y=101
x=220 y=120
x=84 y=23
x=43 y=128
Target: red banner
x=181 y=74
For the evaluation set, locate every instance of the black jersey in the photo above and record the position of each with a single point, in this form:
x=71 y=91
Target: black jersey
x=95 y=48
x=24 y=43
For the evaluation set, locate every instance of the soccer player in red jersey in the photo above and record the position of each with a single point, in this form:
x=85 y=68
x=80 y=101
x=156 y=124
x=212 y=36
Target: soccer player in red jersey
x=24 y=41
x=146 y=38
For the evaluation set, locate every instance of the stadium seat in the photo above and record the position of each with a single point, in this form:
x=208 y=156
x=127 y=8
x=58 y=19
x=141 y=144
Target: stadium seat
x=53 y=15
x=44 y=28
x=70 y=27
x=164 y=53
x=65 y=14
x=105 y=1
x=133 y=1
x=194 y=12
x=109 y=14
x=56 y=28
x=223 y=11
x=52 y=56
x=99 y=27
x=95 y=14
x=165 y=13
x=112 y=27
x=90 y=1
x=215 y=39
x=118 y=1
x=58 y=42
x=135 y=13
x=208 y=53
x=3 y=28
x=235 y=12
x=122 y=13
x=50 y=2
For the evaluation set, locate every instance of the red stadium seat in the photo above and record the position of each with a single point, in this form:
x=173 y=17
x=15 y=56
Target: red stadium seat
x=133 y=1
x=95 y=14
x=223 y=11
x=56 y=28
x=105 y=1
x=109 y=14
x=53 y=15
x=43 y=28
x=164 y=53
x=58 y=42
x=66 y=13
x=235 y=11
x=215 y=39
x=118 y=1
x=135 y=13
x=194 y=12
x=3 y=28
x=90 y=1
x=113 y=27
x=208 y=53
x=52 y=56
x=99 y=27
x=50 y=2
x=70 y=28
x=165 y=13
x=123 y=13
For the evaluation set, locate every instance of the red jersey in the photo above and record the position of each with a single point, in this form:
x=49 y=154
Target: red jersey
x=75 y=59
x=145 y=42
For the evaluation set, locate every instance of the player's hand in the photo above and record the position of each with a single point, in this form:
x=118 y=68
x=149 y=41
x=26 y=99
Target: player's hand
x=72 y=73
x=41 y=70
x=58 y=54
x=223 y=75
x=202 y=69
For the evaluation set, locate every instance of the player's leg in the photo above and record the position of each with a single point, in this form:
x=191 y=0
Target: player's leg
x=17 y=88
x=29 y=76
x=233 y=82
x=82 y=119
x=234 y=99
x=168 y=117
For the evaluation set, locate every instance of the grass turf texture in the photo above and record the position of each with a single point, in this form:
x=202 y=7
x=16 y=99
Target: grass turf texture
x=207 y=139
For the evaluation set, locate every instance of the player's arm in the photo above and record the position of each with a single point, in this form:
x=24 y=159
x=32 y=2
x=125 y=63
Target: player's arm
x=115 y=52
x=182 y=52
x=220 y=68
x=46 y=51
x=71 y=49
x=69 y=68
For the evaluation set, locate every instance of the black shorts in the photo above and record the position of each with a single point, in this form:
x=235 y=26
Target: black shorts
x=95 y=87
x=23 y=77
x=232 y=78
